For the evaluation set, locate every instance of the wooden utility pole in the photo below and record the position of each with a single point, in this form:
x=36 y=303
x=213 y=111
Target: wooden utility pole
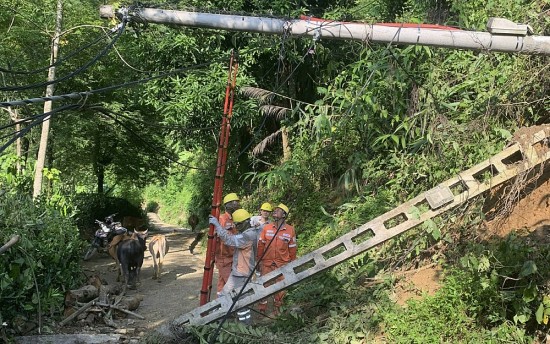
x=40 y=160
x=503 y=35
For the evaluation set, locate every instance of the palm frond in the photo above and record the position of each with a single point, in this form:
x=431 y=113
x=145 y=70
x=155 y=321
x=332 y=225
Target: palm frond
x=264 y=96
x=278 y=112
x=260 y=147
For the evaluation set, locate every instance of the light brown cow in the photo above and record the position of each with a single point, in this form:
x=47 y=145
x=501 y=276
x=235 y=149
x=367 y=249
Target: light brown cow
x=158 y=246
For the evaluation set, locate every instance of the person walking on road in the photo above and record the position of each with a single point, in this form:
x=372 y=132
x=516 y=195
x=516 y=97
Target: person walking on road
x=276 y=247
x=243 y=257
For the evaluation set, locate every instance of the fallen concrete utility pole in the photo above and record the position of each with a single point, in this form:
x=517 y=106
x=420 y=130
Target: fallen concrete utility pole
x=518 y=159
x=503 y=35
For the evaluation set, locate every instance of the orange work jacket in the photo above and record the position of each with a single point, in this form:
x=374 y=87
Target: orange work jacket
x=283 y=248
x=224 y=253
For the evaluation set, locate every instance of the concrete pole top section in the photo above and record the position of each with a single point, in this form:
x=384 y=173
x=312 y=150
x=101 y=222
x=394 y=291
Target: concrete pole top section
x=429 y=35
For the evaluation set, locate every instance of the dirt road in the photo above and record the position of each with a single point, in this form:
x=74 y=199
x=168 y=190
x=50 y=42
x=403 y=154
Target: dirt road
x=178 y=290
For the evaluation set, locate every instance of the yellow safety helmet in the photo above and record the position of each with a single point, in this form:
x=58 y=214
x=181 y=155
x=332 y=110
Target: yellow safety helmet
x=230 y=197
x=240 y=215
x=267 y=207
x=282 y=206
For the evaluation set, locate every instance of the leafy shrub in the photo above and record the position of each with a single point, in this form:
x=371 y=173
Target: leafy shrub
x=152 y=207
x=89 y=207
x=186 y=192
x=497 y=289
x=43 y=264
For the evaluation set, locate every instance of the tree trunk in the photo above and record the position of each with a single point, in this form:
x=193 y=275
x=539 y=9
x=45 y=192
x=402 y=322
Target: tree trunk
x=37 y=188
x=99 y=167
x=284 y=130
x=100 y=179
x=286 y=144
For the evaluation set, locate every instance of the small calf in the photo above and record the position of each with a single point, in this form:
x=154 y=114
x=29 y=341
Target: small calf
x=158 y=246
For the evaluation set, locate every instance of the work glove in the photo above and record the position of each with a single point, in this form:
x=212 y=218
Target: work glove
x=214 y=221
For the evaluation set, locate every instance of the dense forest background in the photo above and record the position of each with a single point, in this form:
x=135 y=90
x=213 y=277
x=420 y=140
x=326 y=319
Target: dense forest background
x=339 y=131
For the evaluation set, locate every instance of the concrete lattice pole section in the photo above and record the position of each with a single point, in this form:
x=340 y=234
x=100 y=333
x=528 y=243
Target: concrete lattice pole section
x=519 y=159
x=502 y=35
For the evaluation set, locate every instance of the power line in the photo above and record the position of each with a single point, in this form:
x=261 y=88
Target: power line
x=148 y=145
x=173 y=126
x=39 y=119
x=70 y=75
x=84 y=95
x=58 y=62
x=21 y=121
x=215 y=335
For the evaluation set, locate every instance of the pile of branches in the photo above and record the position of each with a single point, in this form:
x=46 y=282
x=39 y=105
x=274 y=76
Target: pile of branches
x=98 y=301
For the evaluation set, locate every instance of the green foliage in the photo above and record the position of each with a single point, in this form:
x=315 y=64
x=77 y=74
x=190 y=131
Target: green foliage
x=91 y=207
x=184 y=193
x=152 y=207
x=509 y=273
x=370 y=127
x=43 y=264
x=444 y=317
x=232 y=332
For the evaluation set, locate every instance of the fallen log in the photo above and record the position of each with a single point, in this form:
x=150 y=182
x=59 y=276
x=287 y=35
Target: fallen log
x=77 y=313
x=14 y=239
x=130 y=302
x=120 y=309
x=84 y=294
x=105 y=291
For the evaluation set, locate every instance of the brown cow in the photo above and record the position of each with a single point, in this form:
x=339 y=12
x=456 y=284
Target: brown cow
x=132 y=223
x=158 y=246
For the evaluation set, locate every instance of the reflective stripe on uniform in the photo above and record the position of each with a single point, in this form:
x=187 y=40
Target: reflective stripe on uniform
x=244 y=315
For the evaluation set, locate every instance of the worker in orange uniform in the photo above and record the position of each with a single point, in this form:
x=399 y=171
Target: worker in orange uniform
x=224 y=253
x=276 y=248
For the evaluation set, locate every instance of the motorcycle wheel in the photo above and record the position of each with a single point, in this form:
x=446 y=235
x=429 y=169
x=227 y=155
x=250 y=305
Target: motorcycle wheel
x=92 y=251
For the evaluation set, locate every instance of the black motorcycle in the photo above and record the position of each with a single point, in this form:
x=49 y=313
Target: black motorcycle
x=108 y=229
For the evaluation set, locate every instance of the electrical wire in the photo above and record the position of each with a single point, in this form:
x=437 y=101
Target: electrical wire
x=21 y=121
x=58 y=62
x=225 y=317
x=148 y=145
x=83 y=95
x=38 y=120
x=76 y=72
x=179 y=127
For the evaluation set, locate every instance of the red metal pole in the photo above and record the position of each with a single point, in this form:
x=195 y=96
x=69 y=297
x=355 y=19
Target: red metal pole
x=218 y=181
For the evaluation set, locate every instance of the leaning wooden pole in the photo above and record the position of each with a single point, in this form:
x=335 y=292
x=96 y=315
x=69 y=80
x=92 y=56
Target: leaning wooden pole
x=219 y=178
